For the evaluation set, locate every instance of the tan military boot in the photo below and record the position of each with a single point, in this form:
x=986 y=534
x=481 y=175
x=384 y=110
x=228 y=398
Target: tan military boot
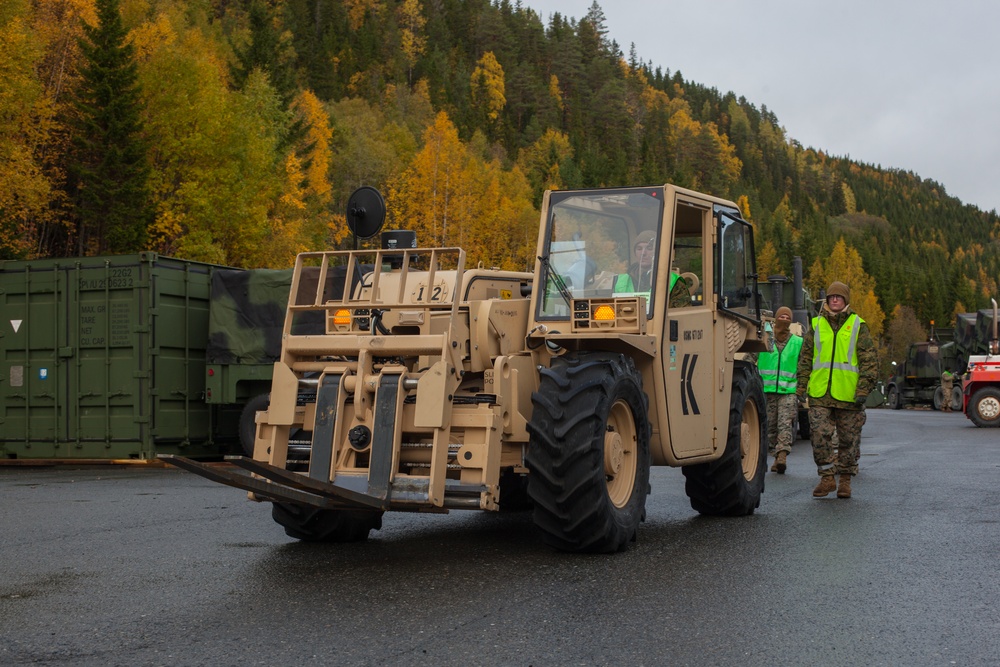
x=779 y=463
x=844 y=490
x=825 y=486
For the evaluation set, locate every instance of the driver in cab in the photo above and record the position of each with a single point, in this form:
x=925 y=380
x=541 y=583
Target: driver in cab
x=639 y=278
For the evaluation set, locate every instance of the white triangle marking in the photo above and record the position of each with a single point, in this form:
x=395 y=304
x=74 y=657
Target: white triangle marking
x=16 y=324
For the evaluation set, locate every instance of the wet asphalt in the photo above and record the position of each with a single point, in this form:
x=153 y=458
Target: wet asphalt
x=126 y=566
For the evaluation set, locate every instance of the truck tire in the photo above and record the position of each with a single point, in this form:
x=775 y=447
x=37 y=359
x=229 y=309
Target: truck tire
x=893 y=399
x=588 y=453
x=248 y=421
x=957 y=398
x=984 y=407
x=732 y=484
x=312 y=524
x=938 y=399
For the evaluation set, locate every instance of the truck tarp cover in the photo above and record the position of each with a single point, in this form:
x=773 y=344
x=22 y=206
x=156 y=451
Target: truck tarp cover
x=965 y=334
x=246 y=315
x=984 y=331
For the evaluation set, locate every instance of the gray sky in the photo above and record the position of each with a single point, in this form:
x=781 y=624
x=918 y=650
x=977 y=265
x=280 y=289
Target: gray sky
x=905 y=84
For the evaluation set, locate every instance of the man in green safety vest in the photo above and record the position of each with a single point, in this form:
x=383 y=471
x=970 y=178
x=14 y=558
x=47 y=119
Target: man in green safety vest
x=640 y=273
x=778 y=369
x=837 y=369
x=639 y=278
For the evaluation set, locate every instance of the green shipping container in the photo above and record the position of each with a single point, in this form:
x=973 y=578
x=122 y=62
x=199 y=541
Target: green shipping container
x=104 y=358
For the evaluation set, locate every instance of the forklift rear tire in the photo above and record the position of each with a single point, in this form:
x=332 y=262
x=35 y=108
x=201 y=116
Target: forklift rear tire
x=588 y=453
x=312 y=524
x=732 y=484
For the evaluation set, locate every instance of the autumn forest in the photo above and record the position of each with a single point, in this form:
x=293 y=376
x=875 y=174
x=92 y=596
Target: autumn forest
x=233 y=131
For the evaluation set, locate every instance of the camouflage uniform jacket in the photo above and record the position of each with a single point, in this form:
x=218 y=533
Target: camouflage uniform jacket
x=867 y=364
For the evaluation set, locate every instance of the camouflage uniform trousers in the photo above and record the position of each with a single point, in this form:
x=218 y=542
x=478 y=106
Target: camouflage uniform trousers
x=946 y=390
x=781 y=409
x=836 y=439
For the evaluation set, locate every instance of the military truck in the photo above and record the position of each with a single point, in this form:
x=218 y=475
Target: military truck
x=917 y=380
x=245 y=317
x=435 y=387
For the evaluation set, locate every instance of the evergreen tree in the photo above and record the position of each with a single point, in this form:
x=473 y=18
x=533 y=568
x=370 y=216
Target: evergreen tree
x=264 y=52
x=108 y=169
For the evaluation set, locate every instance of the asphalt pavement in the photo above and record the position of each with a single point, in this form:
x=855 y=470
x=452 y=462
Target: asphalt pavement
x=127 y=566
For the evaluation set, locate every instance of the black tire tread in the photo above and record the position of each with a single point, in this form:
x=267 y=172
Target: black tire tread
x=719 y=488
x=973 y=411
x=313 y=524
x=248 y=421
x=566 y=452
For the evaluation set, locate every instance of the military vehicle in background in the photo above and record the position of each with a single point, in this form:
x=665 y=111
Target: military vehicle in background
x=433 y=387
x=246 y=314
x=917 y=380
x=781 y=290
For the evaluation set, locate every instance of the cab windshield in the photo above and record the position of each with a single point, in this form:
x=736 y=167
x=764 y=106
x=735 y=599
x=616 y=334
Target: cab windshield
x=600 y=243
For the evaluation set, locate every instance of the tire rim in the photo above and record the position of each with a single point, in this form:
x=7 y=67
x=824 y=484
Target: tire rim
x=750 y=440
x=989 y=408
x=620 y=460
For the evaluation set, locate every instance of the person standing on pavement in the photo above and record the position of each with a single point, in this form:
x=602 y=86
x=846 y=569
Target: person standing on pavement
x=778 y=370
x=947 y=385
x=838 y=367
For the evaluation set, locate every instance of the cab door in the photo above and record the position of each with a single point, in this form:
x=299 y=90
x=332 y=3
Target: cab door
x=694 y=369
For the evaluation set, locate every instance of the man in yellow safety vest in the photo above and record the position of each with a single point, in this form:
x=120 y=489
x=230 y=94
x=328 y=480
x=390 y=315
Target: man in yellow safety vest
x=838 y=367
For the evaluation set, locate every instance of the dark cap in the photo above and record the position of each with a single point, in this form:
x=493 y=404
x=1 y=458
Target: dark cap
x=840 y=289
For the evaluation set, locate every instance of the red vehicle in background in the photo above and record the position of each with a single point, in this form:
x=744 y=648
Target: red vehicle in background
x=981 y=383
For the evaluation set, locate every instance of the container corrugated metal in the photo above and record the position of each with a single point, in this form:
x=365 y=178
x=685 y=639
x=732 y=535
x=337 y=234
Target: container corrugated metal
x=104 y=358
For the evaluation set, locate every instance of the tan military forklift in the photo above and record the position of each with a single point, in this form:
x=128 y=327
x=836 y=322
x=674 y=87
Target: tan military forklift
x=408 y=381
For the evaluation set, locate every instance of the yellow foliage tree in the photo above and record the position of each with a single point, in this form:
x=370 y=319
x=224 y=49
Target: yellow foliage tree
x=356 y=10
x=704 y=157
x=412 y=40
x=768 y=263
x=450 y=197
x=743 y=203
x=285 y=223
x=541 y=160
x=555 y=92
x=424 y=199
x=26 y=118
x=488 y=89
x=39 y=59
x=317 y=144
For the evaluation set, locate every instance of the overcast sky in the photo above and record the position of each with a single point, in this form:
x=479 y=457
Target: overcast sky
x=905 y=84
